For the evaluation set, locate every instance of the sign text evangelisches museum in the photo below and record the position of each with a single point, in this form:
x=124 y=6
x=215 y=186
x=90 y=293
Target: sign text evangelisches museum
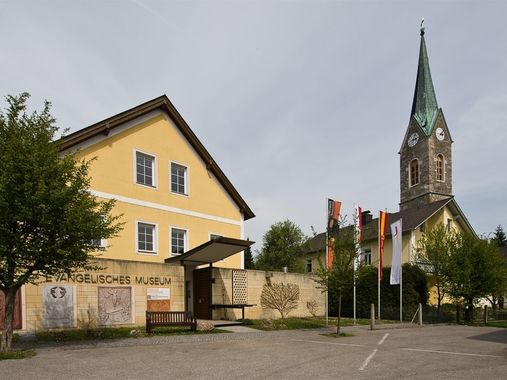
x=119 y=279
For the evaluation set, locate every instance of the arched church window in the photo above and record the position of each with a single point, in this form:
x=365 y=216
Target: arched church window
x=414 y=172
x=440 y=168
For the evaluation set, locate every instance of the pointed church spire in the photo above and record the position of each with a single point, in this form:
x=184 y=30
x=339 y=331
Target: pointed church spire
x=424 y=106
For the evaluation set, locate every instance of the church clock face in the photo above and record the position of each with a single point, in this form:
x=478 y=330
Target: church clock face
x=413 y=139
x=440 y=134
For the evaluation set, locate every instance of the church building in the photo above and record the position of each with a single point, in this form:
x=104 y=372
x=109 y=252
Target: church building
x=426 y=191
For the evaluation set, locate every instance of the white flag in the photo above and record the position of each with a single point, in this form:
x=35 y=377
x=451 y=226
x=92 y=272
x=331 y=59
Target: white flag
x=396 y=234
x=358 y=226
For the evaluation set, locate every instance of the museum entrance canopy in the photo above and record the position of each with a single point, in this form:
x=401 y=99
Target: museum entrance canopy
x=211 y=251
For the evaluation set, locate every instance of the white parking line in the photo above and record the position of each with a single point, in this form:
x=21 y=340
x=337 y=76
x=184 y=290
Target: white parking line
x=383 y=338
x=331 y=343
x=450 y=352
x=367 y=360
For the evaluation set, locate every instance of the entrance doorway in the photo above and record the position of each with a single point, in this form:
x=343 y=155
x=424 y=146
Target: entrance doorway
x=202 y=293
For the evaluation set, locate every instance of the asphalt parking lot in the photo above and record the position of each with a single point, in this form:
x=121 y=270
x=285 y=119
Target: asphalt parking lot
x=449 y=352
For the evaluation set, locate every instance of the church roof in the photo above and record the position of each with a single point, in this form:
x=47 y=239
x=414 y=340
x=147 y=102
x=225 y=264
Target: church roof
x=412 y=219
x=424 y=105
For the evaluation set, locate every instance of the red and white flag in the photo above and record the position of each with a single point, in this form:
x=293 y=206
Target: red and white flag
x=333 y=214
x=396 y=233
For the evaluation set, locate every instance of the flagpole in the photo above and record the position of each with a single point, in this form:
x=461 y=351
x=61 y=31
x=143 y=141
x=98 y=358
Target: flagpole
x=355 y=259
x=401 y=272
x=379 y=269
x=327 y=258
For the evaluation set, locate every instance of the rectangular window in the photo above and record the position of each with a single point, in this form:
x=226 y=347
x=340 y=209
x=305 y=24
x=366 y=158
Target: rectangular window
x=101 y=244
x=449 y=223
x=145 y=169
x=178 y=241
x=367 y=256
x=178 y=179
x=309 y=266
x=440 y=168
x=146 y=235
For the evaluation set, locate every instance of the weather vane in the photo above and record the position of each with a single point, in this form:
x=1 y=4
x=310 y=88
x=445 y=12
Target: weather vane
x=422 y=27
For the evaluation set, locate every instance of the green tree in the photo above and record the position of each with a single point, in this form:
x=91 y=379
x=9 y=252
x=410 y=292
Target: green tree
x=499 y=237
x=48 y=218
x=474 y=270
x=433 y=252
x=281 y=245
x=341 y=276
x=249 y=261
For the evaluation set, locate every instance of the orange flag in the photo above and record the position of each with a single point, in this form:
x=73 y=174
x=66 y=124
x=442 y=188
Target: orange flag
x=382 y=221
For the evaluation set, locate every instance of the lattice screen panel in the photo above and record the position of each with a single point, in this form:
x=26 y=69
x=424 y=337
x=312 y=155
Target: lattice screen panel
x=239 y=287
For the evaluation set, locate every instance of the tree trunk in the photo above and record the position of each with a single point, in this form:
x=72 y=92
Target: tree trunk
x=6 y=339
x=469 y=310
x=494 y=305
x=439 y=298
x=338 y=320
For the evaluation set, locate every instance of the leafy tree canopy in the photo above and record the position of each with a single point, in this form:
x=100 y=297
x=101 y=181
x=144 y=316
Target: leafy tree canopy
x=433 y=251
x=281 y=245
x=475 y=268
x=249 y=260
x=48 y=218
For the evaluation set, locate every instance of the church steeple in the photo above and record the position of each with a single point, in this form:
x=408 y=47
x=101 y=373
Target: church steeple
x=425 y=154
x=424 y=105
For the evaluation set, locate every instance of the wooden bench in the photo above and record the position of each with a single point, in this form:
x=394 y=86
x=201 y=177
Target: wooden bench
x=169 y=319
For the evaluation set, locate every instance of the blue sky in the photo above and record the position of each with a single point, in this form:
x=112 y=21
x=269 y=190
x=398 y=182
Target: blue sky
x=296 y=100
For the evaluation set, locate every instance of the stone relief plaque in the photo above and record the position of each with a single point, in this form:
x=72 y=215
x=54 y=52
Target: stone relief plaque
x=58 y=306
x=115 y=305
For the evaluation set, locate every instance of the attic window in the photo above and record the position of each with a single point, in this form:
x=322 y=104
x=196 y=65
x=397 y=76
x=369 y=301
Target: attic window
x=179 y=180
x=145 y=169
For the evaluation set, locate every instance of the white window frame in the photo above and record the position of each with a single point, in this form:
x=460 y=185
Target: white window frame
x=186 y=179
x=185 y=241
x=367 y=253
x=309 y=261
x=155 y=238
x=102 y=245
x=154 y=169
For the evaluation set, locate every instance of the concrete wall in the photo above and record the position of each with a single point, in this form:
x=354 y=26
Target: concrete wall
x=124 y=279
x=222 y=293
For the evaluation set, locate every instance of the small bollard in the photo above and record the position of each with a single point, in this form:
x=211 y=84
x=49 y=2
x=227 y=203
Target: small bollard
x=372 y=316
x=420 y=314
x=485 y=314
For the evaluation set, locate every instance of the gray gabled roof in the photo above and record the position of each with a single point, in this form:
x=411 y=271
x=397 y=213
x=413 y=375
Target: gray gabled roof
x=412 y=219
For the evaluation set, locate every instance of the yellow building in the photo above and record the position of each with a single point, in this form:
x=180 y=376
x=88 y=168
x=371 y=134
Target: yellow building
x=172 y=194
x=181 y=248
